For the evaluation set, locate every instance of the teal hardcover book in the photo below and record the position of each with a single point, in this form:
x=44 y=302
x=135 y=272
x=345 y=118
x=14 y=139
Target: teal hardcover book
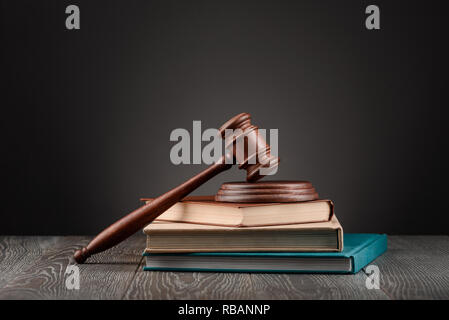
x=360 y=249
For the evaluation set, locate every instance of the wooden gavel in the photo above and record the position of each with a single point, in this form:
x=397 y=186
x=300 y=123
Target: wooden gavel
x=256 y=156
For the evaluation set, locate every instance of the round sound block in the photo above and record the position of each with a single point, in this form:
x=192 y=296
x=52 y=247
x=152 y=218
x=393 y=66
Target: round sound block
x=267 y=191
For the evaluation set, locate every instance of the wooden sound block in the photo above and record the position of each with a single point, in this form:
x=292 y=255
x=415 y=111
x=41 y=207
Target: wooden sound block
x=267 y=191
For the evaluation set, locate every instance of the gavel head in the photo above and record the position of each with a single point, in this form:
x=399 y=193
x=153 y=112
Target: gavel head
x=248 y=147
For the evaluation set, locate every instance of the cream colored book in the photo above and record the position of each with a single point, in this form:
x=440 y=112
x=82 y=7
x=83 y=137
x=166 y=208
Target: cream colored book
x=166 y=237
x=204 y=210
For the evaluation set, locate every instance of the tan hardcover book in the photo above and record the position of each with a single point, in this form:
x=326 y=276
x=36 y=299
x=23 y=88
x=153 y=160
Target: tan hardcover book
x=204 y=210
x=166 y=237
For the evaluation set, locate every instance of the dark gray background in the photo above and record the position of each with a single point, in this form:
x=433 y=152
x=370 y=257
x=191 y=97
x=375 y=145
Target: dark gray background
x=86 y=115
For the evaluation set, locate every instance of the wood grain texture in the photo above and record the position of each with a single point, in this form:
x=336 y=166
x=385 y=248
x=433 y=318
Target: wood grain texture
x=190 y=285
x=18 y=253
x=105 y=277
x=415 y=267
x=313 y=286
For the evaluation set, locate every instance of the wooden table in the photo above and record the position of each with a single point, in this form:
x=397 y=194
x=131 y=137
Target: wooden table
x=414 y=267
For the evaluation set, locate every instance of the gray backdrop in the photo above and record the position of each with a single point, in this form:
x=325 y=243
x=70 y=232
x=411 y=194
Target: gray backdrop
x=87 y=114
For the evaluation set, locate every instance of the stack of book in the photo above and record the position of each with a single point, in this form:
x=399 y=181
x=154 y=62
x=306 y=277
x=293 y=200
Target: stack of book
x=200 y=234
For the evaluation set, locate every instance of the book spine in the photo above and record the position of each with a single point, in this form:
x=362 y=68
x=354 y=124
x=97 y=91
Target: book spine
x=365 y=256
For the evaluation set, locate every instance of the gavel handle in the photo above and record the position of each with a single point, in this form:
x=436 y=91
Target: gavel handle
x=139 y=218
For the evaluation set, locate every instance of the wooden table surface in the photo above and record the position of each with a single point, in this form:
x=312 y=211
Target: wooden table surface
x=414 y=267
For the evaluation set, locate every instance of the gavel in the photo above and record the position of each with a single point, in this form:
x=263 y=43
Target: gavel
x=256 y=156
